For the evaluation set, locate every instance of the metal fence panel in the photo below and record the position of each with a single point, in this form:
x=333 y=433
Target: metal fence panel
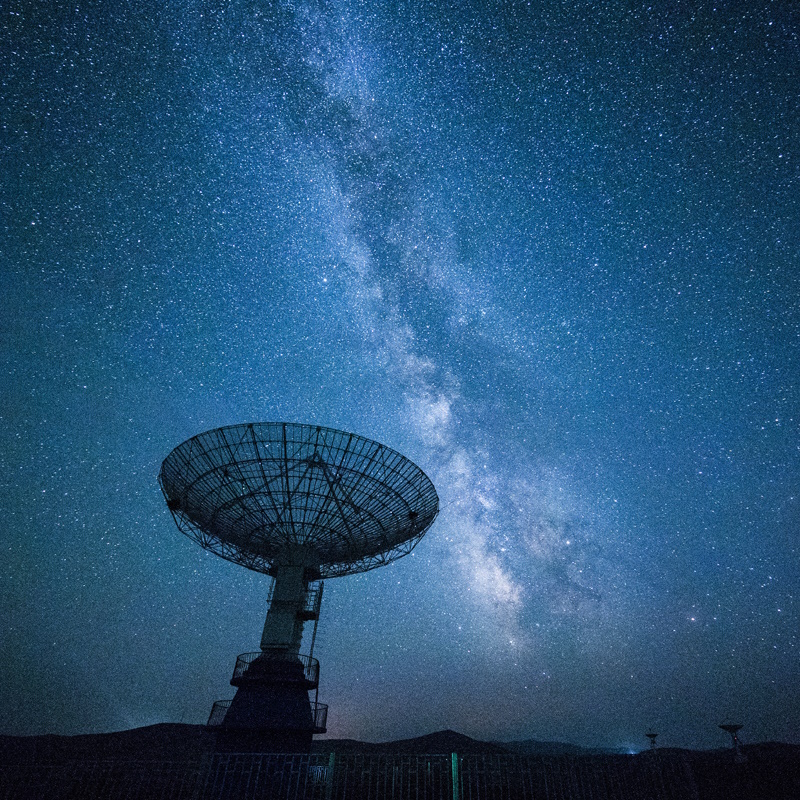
x=358 y=776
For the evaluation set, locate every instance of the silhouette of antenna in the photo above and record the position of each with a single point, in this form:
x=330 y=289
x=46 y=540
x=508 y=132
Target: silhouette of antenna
x=733 y=729
x=299 y=503
x=652 y=738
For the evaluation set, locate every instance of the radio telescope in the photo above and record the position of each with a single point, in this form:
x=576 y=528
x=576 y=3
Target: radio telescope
x=733 y=729
x=299 y=503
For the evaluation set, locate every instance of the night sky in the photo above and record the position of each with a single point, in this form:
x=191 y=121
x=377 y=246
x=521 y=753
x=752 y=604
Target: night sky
x=548 y=251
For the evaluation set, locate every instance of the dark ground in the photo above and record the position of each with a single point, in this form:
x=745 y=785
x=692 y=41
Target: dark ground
x=771 y=770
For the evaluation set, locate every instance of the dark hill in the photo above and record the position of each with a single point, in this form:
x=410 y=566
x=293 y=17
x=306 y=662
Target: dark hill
x=532 y=747
x=179 y=742
x=167 y=741
x=441 y=742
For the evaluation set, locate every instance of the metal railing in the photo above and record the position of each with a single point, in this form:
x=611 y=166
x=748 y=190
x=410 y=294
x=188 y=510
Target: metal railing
x=276 y=668
x=319 y=714
x=218 y=712
x=312 y=599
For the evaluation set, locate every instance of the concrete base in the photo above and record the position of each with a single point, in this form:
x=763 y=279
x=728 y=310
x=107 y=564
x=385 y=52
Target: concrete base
x=271 y=709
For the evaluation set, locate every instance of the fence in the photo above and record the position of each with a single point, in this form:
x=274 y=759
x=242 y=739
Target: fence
x=359 y=776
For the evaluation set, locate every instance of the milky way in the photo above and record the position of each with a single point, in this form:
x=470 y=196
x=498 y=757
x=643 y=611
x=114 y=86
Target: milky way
x=547 y=251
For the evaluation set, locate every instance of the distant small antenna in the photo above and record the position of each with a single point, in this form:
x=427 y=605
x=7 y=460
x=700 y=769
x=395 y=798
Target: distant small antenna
x=733 y=729
x=652 y=738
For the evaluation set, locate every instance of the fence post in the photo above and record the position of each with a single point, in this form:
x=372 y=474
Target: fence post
x=454 y=776
x=329 y=783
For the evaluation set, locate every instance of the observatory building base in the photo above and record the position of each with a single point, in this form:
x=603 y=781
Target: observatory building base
x=273 y=708
x=271 y=711
x=230 y=740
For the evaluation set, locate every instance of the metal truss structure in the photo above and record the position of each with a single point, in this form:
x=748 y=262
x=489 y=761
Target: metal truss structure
x=250 y=492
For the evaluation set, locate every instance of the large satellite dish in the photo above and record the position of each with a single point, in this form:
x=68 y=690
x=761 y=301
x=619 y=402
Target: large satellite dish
x=300 y=503
x=252 y=492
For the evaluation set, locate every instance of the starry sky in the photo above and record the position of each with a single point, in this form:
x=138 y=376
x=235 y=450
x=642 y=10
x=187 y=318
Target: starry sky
x=547 y=250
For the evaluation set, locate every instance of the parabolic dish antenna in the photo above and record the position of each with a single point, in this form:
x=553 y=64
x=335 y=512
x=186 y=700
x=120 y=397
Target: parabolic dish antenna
x=300 y=503
x=250 y=493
